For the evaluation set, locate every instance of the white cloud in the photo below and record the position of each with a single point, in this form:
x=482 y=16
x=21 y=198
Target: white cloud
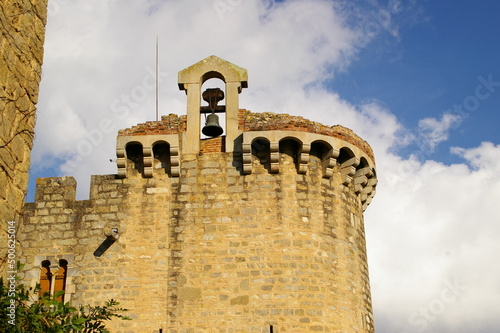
x=484 y=157
x=429 y=222
x=433 y=131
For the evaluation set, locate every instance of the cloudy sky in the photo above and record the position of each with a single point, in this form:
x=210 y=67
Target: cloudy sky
x=419 y=80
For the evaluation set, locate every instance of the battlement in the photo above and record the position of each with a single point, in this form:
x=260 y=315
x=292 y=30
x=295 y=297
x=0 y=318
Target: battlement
x=248 y=122
x=268 y=121
x=55 y=189
x=155 y=148
x=60 y=192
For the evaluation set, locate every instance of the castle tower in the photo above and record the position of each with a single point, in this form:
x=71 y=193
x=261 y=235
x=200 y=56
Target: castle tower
x=258 y=230
x=21 y=54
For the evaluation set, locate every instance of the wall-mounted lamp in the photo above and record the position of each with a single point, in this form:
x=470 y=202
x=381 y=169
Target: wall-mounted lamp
x=111 y=237
x=112 y=234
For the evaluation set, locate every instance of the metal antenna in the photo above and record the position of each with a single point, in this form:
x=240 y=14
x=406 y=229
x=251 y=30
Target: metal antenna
x=156 y=79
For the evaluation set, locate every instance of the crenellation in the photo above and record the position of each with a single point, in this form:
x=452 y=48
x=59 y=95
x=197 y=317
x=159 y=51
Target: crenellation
x=55 y=189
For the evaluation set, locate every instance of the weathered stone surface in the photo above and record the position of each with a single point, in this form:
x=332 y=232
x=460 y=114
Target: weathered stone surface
x=223 y=251
x=22 y=23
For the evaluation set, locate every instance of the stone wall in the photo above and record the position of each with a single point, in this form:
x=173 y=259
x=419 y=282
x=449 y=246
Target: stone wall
x=212 y=250
x=21 y=51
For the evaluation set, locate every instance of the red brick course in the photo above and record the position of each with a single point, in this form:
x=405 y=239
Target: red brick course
x=248 y=122
x=267 y=121
x=213 y=145
x=171 y=124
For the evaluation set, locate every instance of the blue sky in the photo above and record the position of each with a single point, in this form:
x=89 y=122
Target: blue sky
x=430 y=66
x=392 y=70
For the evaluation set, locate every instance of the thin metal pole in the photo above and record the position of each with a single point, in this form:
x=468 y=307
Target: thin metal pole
x=156 y=78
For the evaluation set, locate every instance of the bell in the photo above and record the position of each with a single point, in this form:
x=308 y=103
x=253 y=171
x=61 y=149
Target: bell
x=212 y=127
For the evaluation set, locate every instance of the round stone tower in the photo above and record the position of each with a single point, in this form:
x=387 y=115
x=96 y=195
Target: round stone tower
x=258 y=230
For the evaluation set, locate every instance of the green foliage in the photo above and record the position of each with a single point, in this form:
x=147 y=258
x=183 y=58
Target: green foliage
x=21 y=312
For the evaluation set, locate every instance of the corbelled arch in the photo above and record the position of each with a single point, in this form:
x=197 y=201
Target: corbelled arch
x=327 y=155
x=355 y=166
x=161 y=156
x=339 y=151
x=261 y=149
x=294 y=147
x=148 y=142
x=134 y=153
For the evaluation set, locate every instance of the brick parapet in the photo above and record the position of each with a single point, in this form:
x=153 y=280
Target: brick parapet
x=268 y=121
x=170 y=124
x=250 y=122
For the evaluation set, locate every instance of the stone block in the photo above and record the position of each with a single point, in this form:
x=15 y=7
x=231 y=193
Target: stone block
x=189 y=293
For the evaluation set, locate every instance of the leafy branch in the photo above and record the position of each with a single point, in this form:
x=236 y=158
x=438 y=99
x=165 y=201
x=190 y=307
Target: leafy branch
x=22 y=312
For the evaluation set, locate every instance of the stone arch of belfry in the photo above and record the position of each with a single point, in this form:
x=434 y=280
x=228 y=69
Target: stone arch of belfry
x=191 y=80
